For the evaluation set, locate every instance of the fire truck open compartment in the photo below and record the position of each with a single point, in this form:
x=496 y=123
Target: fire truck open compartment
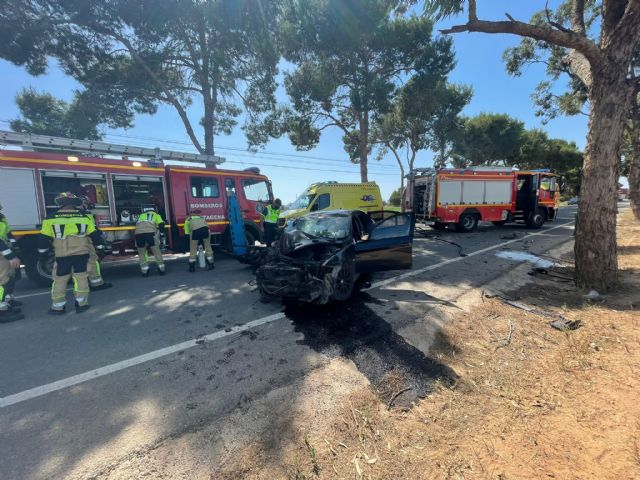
x=91 y=185
x=134 y=195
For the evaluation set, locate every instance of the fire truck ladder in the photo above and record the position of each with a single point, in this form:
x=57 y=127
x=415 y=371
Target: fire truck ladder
x=31 y=142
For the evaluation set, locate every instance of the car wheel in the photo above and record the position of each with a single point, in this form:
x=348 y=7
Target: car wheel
x=440 y=226
x=343 y=283
x=467 y=222
x=537 y=219
x=39 y=269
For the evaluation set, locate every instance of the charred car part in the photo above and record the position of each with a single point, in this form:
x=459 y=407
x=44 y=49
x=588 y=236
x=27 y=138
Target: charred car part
x=322 y=256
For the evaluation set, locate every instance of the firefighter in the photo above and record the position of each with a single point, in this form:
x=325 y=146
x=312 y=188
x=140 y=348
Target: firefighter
x=198 y=230
x=271 y=214
x=149 y=229
x=9 y=263
x=71 y=233
x=96 y=282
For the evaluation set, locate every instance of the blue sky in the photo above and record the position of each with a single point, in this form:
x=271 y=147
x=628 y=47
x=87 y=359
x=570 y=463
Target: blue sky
x=479 y=64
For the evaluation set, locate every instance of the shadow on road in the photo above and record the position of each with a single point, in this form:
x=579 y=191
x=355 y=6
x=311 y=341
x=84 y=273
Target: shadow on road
x=354 y=331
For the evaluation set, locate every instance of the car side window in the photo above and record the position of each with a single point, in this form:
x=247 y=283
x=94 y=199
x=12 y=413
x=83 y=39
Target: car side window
x=322 y=202
x=358 y=230
x=392 y=227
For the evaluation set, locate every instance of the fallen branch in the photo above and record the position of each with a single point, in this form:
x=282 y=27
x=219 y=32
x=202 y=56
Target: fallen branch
x=393 y=398
x=507 y=340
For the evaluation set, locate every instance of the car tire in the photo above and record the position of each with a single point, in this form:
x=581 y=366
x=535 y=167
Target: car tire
x=344 y=283
x=440 y=226
x=536 y=219
x=39 y=269
x=467 y=222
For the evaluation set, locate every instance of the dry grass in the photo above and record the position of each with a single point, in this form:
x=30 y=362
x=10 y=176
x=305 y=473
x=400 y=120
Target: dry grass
x=544 y=404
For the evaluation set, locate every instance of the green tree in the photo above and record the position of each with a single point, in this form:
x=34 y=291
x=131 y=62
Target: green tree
x=143 y=53
x=42 y=113
x=488 y=139
x=350 y=56
x=395 y=199
x=424 y=115
x=600 y=54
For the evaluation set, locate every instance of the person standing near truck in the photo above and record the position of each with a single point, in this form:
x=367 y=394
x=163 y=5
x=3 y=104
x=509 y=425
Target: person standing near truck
x=71 y=233
x=149 y=229
x=198 y=230
x=9 y=263
x=271 y=214
x=96 y=282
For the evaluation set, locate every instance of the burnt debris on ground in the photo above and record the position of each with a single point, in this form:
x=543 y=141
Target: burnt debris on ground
x=398 y=371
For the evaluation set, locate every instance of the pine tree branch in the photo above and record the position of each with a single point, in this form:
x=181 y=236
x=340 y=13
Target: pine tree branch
x=568 y=39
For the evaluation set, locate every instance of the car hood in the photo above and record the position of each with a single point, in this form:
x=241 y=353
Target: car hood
x=295 y=240
x=296 y=212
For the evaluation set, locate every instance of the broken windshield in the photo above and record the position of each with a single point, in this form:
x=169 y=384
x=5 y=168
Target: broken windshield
x=303 y=201
x=334 y=227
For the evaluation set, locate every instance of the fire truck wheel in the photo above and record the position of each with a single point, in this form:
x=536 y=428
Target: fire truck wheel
x=537 y=219
x=440 y=226
x=467 y=223
x=39 y=269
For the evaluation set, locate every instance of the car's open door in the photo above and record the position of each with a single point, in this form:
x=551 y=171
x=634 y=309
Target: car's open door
x=388 y=246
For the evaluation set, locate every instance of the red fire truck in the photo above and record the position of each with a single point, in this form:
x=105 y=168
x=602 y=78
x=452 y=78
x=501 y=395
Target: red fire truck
x=119 y=190
x=463 y=197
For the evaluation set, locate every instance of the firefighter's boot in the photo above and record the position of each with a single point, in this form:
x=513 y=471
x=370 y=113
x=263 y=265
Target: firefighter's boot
x=10 y=299
x=210 y=265
x=81 y=308
x=102 y=286
x=192 y=267
x=161 y=269
x=57 y=310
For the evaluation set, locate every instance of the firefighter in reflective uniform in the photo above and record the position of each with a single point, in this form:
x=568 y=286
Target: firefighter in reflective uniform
x=96 y=282
x=71 y=233
x=9 y=263
x=149 y=228
x=198 y=230
x=271 y=215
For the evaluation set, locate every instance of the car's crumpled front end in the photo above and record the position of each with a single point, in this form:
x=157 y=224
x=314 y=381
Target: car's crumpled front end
x=304 y=269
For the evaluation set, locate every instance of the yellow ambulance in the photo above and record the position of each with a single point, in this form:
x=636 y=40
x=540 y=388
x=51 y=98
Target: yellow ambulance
x=334 y=196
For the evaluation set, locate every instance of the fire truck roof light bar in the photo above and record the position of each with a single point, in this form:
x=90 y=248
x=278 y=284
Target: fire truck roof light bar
x=31 y=141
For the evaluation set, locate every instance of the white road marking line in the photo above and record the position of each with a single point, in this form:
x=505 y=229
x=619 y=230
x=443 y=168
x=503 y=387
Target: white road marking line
x=115 y=367
x=413 y=273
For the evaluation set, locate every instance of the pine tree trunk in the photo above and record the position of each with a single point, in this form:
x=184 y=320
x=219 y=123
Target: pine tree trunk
x=363 y=147
x=595 y=248
x=634 y=182
x=208 y=124
x=634 y=170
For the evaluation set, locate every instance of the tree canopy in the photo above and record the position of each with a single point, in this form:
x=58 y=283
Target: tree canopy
x=142 y=53
x=42 y=113
x=350 y=56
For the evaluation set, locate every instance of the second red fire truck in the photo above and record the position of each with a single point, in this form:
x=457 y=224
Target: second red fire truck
x=118 y=190
x=463 y=197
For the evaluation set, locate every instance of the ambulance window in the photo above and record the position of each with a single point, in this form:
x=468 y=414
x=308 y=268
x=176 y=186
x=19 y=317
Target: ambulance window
x=322 y=202
x=93 y=186
x=204 y=187
x=548 y=183
x=255 y=189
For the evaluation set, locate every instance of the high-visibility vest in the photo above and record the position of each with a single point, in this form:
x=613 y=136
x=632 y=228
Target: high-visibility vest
x=272 y=215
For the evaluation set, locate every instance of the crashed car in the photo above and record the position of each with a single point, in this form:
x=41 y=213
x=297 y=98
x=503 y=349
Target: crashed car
x=323 y=256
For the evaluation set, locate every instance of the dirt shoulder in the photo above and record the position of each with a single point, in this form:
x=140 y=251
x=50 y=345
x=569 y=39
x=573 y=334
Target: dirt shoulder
x=530 y=401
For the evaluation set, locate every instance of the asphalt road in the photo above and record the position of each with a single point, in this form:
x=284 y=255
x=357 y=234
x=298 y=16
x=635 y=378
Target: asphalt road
x=159 y=356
